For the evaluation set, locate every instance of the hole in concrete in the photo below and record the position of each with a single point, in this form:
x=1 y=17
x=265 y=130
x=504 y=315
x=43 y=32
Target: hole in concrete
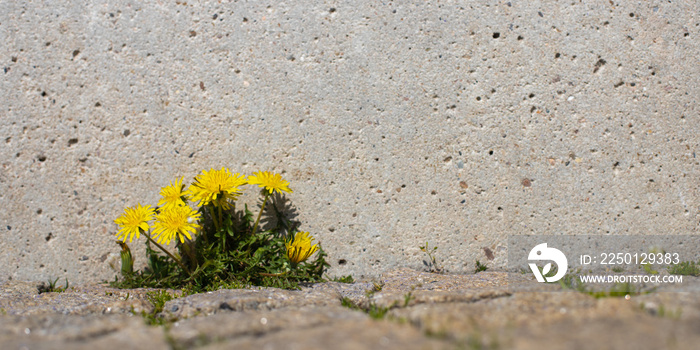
x=496 y=35
x=342 y=262
x=72 y=142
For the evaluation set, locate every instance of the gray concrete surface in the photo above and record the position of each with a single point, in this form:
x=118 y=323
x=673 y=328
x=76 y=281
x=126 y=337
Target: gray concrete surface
x=453 y=122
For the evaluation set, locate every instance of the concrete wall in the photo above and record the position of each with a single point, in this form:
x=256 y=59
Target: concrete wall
x=453 y=122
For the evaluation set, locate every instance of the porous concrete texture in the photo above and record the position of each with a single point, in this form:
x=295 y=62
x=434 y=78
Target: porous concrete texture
x=453 y=122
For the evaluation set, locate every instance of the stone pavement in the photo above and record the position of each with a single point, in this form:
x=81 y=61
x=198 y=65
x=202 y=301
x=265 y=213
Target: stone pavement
x=488 y=310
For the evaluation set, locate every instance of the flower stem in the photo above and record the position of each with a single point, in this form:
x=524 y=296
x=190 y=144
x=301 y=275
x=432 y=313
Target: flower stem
x=221 y=217
x=170 y=255
x=212 y=212
x=187 y=248
x=267 y=195
x=223 y=234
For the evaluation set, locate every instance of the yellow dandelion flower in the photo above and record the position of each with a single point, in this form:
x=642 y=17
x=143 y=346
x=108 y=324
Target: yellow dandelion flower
x=175 y=222
x=133 y=220
x=216 y=187
x=269 y=181
x=299 y=247
x=173 y=195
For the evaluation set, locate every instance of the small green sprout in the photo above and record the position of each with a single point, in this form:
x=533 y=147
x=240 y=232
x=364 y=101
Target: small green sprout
x=618 y=269
x=373 y=310
x=432 y=264
x=377 y=312
x=407 y=298
x=51 y=287
x=478 y=267
x=343 y=279
x=649 y=269
x=376 y=287
x=158 y=300
x=348 y=303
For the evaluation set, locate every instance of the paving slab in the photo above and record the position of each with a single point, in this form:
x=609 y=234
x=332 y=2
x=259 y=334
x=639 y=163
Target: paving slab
x=442 y=311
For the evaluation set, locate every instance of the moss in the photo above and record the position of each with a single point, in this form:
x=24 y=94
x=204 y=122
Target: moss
x=158 y=300
x=372 y=309
x=686 y=268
